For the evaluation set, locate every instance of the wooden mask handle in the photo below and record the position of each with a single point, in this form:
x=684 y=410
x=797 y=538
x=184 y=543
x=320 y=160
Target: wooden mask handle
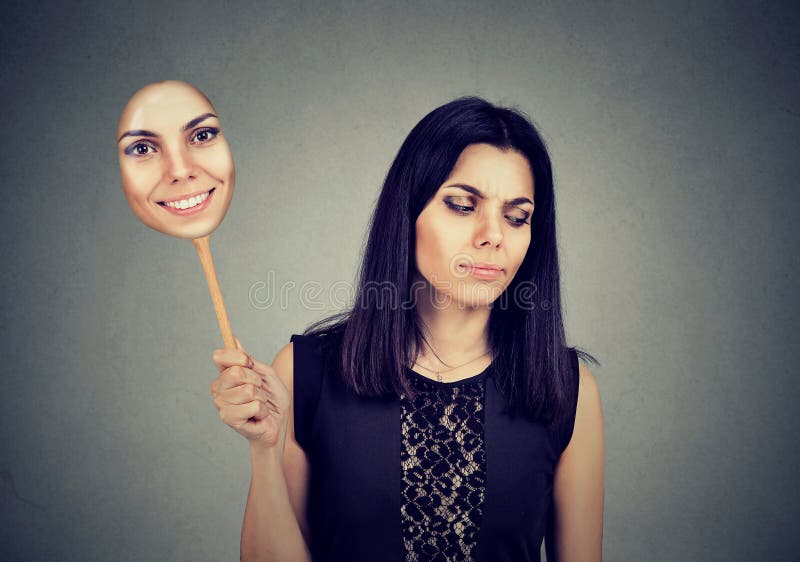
x=204 y=251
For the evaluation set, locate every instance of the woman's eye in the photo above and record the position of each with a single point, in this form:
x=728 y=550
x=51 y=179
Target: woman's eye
x=140 y=148
x=517 y=221
x=204 y=135
x=461 y=209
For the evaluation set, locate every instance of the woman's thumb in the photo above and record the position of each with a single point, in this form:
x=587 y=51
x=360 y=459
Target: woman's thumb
x=239 y=345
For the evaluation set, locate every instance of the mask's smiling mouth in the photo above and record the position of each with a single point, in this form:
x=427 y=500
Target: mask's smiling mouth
x=189 y=205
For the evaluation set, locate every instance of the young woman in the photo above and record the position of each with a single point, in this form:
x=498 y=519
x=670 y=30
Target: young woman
x=444 y=417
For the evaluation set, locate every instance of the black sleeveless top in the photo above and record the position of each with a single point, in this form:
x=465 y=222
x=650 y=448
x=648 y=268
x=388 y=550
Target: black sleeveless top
x=446 y=477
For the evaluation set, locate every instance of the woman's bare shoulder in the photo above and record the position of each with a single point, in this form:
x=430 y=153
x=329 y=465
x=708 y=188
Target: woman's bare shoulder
x=587 y=385
x=284 y=365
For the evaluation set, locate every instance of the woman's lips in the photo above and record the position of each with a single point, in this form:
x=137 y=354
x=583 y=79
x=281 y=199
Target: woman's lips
x=486 y=272
x=191 y=210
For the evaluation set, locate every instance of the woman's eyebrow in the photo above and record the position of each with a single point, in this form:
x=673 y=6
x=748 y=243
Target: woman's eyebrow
x=477 y=193
x=197 y=120
x=518 y=201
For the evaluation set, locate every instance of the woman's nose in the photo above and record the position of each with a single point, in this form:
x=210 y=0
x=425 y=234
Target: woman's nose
x=490 y=232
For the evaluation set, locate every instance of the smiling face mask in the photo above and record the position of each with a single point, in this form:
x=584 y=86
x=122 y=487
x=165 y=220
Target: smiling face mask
x=177 y=169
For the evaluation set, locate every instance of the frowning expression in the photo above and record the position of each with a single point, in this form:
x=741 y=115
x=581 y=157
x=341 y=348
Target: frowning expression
x=473 y=235
x=177 y=169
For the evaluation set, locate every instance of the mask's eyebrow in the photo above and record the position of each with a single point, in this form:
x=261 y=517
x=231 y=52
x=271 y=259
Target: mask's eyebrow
x=151 y=134
x=137 y=133
x=197 y=120
x=477 y=193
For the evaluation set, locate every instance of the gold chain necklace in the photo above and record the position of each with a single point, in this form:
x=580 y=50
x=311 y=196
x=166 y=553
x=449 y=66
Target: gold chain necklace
x=438 y=374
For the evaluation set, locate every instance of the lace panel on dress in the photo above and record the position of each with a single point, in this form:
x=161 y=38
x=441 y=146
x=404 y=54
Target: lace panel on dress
x=443 y=470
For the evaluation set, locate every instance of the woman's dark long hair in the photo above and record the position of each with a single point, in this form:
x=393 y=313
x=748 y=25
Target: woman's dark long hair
x=380 y=337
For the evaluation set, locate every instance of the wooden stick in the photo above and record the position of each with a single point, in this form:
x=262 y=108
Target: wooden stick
x=204 y=251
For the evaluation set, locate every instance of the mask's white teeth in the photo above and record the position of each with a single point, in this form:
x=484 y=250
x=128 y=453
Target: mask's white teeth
x=188 y=203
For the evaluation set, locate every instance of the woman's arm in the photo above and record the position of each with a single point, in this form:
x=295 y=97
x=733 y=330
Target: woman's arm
x=275 y=521
x=578 y=486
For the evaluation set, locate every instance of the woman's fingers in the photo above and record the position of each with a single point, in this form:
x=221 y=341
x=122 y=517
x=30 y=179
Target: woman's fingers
x=249 y=395
x=258 y=366
x=224 y=358
x=241 y=394
x=236 y=415
x=262 y=368
x=235 y=376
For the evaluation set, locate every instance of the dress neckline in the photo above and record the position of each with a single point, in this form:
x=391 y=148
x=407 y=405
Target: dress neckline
x=468 y=380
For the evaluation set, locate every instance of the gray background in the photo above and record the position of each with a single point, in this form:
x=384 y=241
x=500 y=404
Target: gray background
x=673 y=128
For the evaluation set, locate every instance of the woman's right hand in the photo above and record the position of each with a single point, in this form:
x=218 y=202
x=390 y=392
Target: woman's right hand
x=250 y=397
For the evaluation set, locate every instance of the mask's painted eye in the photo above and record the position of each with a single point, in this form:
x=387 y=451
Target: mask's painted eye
x=140 y=149
x=204 y=135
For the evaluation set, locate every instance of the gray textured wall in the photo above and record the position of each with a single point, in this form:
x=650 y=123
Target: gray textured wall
x=674 y=131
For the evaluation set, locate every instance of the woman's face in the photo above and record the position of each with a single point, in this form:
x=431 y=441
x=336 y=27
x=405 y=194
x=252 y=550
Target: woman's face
x=473 y=235
x=177 y=169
